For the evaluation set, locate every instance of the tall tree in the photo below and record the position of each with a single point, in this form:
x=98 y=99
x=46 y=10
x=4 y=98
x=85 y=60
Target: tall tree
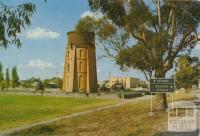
x=163 y=29
x=12 y=20
x=188 y=72
x=1 y=72
x=2 y=84
x=7 y=80
x=111 y=38
x=15 y=77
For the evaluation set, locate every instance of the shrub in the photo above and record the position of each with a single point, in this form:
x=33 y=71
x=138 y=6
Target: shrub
x=3 y=86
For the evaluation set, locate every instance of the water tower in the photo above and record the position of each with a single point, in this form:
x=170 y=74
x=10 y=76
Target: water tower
x=80 y=63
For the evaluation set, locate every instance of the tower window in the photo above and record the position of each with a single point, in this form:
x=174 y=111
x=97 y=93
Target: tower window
x=67 y=82
x=80 y=82
x=68 y=54
x=80 y=66
x=68 y=67
x=81 y=53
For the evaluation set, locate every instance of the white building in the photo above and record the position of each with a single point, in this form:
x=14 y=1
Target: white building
x=127 y=82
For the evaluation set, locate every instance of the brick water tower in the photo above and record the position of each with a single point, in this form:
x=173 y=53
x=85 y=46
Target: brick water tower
x=80 y=63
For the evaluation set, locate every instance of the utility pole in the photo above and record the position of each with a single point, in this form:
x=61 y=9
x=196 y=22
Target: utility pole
x=110 y=79
x=57 y=78
x=159 y=13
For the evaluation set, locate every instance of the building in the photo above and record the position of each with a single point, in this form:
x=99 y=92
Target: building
x=105 y=83
x=199 y=83
x=80 y=63
x=127 y=82
x=143 y=82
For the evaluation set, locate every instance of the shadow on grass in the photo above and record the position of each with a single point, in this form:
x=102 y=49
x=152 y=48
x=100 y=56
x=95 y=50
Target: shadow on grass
x=194 y=133
x=36 y=131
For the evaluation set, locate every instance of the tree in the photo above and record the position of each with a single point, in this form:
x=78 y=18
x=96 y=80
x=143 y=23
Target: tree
x=162 y=29
x=7 y=80
x=12 y=20
x=137 y=57
x=54 y=82
x=2 y=84
x=188 y=72
x=111 y=38
x=1 y=72
x=29 y=82
x=15 y=78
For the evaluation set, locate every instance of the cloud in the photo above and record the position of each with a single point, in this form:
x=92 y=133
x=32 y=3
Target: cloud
x=41 y=33
x=197 y=47
x=37 y=63
x=60 y=75
x=87 y=13
x=98 y=70
x=91 y=14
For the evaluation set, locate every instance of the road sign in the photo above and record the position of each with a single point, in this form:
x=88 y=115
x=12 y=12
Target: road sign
x=162 y=85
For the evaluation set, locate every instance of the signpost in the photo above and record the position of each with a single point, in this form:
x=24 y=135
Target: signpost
x=161 y=85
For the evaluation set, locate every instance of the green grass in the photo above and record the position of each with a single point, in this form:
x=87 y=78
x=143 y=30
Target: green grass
x=130 y=119
x=17 y=110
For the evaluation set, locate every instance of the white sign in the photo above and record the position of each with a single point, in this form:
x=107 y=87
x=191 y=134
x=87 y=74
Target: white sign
x=182 y=119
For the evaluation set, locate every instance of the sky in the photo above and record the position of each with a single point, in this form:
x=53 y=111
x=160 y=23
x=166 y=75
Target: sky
x=44 y=42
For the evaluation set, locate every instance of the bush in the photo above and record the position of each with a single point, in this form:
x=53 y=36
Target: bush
x=143 y=85
x=128 y=90
x=3 y=85
x=129 y=95
x=132 y=95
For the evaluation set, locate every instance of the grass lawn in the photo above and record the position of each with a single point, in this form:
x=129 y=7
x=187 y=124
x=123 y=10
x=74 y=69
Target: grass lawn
x=130 y=119
x=17 y=110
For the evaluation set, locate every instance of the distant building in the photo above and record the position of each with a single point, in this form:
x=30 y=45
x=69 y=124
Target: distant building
x=52 y=85
x=34 y=84
x=199 y=83
x=143 y=82
x=80 y=64
x=105 y=82
x=127 y=82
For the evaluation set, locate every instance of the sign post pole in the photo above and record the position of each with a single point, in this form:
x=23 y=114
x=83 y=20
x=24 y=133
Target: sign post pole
x=172 y=101
x=151 y=113
x=162 y=85
x=151 y=104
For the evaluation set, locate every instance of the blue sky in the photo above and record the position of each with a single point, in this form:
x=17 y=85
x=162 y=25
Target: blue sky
x=44 y=42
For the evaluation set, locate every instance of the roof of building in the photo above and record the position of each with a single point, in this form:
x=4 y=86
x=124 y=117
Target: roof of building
x=125 y=77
